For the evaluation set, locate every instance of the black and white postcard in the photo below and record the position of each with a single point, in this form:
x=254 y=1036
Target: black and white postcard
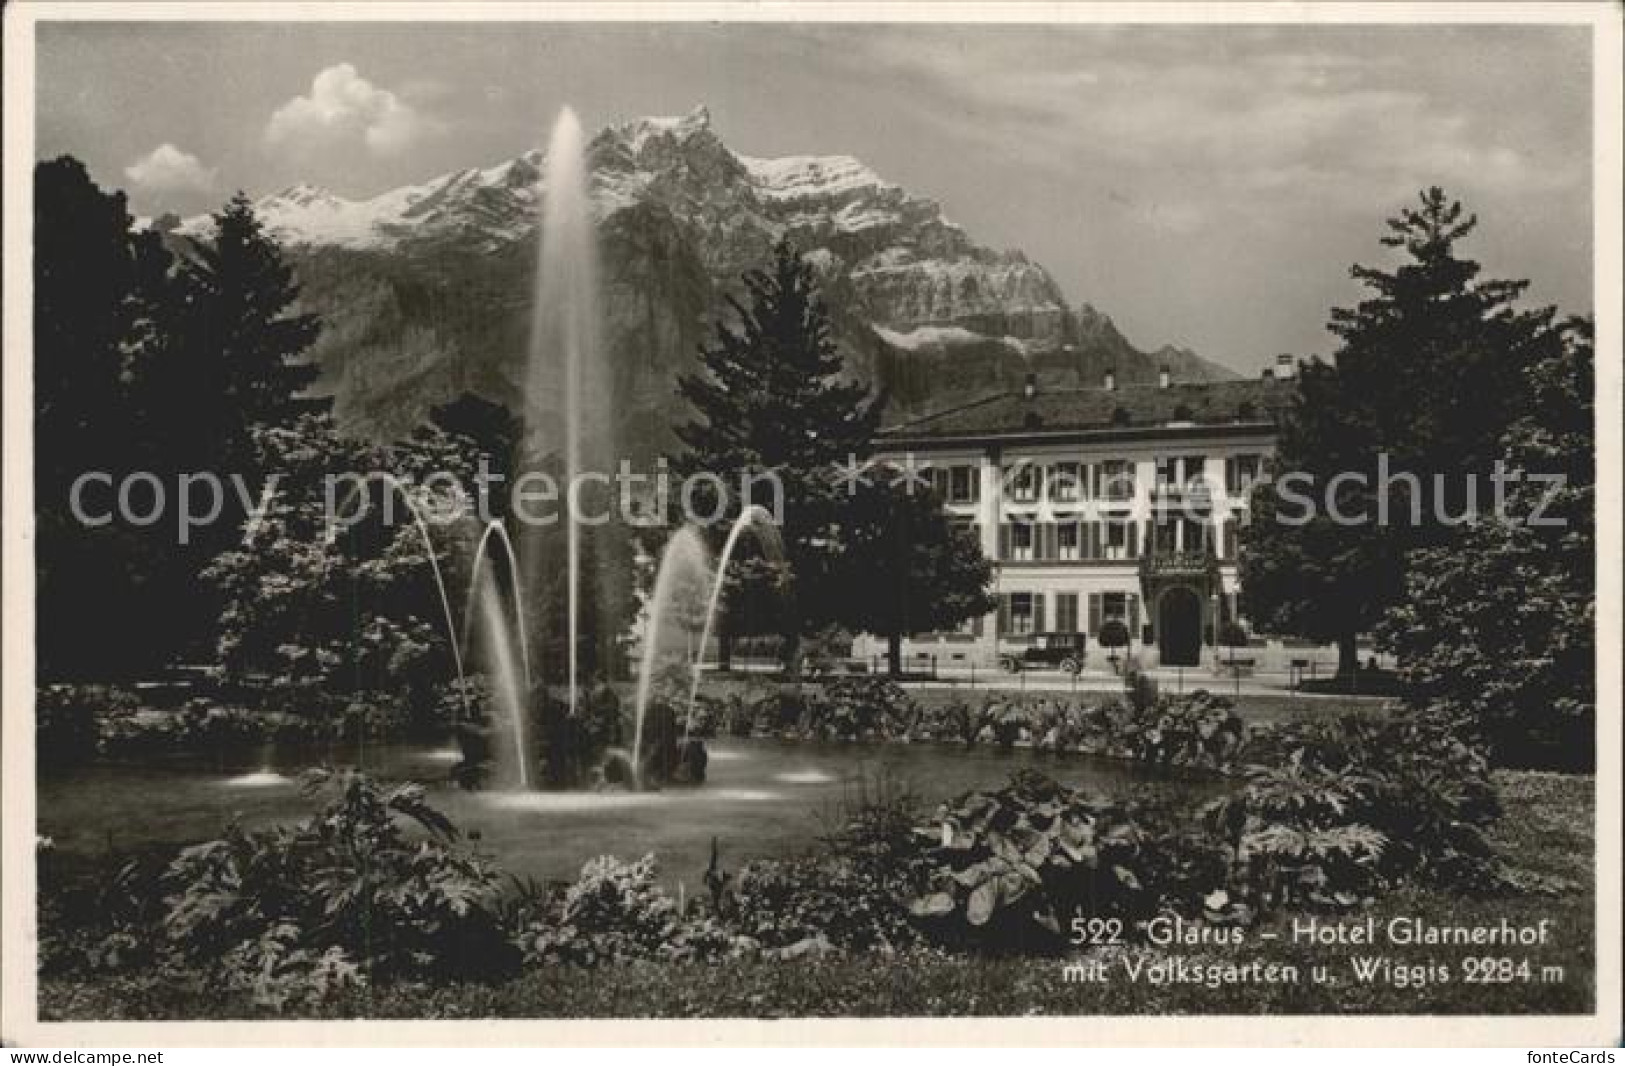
x=1089 y=525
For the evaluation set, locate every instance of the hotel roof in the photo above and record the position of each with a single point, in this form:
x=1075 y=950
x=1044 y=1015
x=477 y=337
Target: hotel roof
x=1134 y=409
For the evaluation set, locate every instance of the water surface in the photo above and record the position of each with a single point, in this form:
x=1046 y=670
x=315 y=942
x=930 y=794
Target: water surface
x=763 y=798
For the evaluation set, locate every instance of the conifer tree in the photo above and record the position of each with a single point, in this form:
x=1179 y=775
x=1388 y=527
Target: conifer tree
x=1429 y=374
x=771 y=397
x=240 y=362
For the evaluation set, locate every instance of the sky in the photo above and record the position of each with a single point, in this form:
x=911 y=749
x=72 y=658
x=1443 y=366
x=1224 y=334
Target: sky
x=1206 y=186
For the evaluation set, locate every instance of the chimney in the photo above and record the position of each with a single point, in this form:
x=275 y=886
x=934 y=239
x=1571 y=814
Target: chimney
x=1284 y=366
x=1031 y=388
x=1164 y=378
x=1111 y=380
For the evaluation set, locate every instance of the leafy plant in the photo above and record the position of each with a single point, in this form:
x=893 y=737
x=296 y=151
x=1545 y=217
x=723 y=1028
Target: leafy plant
x=617 y=912
x=349 y=894
x=1014 y=866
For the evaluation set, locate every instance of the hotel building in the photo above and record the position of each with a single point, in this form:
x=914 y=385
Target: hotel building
x=1110 y=502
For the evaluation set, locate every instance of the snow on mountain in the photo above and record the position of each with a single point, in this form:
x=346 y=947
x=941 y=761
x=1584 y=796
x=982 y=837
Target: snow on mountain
x=811 y=177
x=423 y=289
x=629 y=161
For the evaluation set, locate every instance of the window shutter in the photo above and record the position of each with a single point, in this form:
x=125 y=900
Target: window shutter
x=1132 y=537
x=976 y=625
x=1002 y=625
x=1004 y=542
x=1046 y=534
x=1038 y=612
x=1094 y=613
x=1133 y=613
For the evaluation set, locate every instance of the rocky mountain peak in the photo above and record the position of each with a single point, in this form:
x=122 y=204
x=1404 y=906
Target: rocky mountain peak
x=920 y=306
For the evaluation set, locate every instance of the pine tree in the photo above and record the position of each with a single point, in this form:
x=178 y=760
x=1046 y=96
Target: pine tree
x=771 y=397
x=1429 y=374
x=241 y=362
x=1499 y=629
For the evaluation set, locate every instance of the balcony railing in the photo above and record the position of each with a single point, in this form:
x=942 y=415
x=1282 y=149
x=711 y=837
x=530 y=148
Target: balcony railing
x=1166 y=562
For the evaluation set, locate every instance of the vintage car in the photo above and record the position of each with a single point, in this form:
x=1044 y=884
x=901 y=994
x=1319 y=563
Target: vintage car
x=1048 y=651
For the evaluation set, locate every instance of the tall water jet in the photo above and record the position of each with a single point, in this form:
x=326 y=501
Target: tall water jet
x=566 y=382
x=510 y=696
x=679 y=582
x=759 y=519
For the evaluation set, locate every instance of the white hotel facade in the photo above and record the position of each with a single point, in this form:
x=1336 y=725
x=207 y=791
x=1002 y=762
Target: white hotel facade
x=1114 y=501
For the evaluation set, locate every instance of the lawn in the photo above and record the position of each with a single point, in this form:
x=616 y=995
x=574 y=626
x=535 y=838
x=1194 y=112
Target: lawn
x=1546 y=836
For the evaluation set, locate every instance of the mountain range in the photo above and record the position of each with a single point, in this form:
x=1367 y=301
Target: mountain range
x=425 y=290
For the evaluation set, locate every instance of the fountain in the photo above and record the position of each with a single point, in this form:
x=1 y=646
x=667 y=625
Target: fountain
x=565 y=362
x=752 y=517
x=684 y=559
x=567 y=414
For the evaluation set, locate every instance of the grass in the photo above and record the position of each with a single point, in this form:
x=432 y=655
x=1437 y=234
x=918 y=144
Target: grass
x=1546 y=835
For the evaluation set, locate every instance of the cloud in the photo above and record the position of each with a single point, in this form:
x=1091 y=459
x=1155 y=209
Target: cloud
x=1248 y=114
x=345 y=109
x=167 y=169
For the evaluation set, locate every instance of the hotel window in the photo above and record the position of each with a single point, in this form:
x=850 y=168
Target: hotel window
x=1024 y=612
x=1123 y=606
x=1026 y=481
x=1066 y=482
x=1117 y=540
x=1116 y=480
x=1021 y=541
x=1067 y=542
x=1241 y=473
x=963 y=484
x=1066 y=612
x=1180 y=470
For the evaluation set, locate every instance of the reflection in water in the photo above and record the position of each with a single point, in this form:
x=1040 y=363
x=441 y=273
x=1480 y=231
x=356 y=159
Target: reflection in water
x=570 y=802
x=806 y=777
x=257 y=779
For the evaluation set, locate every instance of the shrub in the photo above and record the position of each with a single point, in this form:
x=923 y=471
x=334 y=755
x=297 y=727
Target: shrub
x=617 y=912
x=66 y=722
x=1335 y=809
x=1113 y=634
x=856 y=708
x=347 y=895
x=1013 y=867
x=1200 y=730
x=781 y=903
